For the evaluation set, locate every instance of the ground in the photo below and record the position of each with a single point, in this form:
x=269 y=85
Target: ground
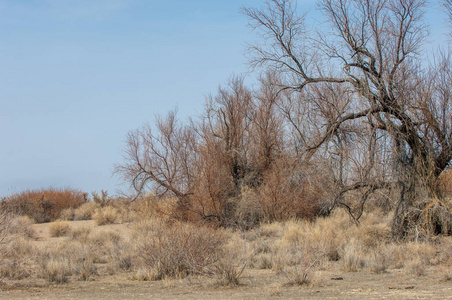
x=255 y=285
x=328 y=283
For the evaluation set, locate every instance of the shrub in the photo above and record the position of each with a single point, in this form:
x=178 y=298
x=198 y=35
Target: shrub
x=176 y=249
x=232 y=260
x=67 y=214
x=352 y=256
x=15 y=249
x=59 y=228
x=80 y=234
x=85 y=211
x=106 y=215
x=43 y=205
x=55 y=270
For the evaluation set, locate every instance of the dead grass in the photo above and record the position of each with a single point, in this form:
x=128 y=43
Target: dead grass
x=85 y=211
x=59 y=228
x=176 y=249
x=80 y=234
x=106 y=215
x=163 y=249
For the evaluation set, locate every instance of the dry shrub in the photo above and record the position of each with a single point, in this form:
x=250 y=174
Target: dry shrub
x=416 y=267
x=80 y=234
x=68 y=214
x=297 y=247
x=85 y=211
x=291 y=193
x=302 y=247
x=59 y=228
x=270 y=230
x=71 y=258
x=175 y=249
x=43 y=205
x=248 y=212
x=15 y=249
x=16 y=254
x=110 y=249
x=106 y=215
x=377 y=261
x=445 y=183
x=297 y=262
x=55 y=270
x=233 y=258
x=152 y=206
x=353 y=256
x=22 y=225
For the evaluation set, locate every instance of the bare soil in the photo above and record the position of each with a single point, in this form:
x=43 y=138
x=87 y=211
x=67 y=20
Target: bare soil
x=256 y=284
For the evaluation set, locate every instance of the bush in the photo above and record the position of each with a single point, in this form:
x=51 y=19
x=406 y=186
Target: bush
x=43 y=205
x=67 y=214
x=106 y=215
x=59 y=228
x=15 y=248
x=176 y=249
x=85 y=211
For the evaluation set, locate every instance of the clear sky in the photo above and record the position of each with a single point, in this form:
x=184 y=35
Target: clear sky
x=77 y=75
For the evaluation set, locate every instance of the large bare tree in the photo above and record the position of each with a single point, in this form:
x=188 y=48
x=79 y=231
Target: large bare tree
x=362 y=72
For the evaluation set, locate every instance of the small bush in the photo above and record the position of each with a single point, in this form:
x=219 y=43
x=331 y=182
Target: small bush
x=67 y=214
x=232 y=261
x=85 y=211
x=416 y=267
x=176 y=249
x=352 y=256
x=55 y=270
x=106 y=215
x=377 y=261
x=22 y=226
x=59 y=228
x=80 y=234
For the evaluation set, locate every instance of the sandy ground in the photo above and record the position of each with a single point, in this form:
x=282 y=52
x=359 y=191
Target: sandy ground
x=255 y=284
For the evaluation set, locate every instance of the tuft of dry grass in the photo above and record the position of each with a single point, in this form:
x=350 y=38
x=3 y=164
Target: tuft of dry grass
x=80 y=234
x=85 y=211
x=352 y=256
x=55 y=270
x=67 y=214
x=416 y=267
x=59 y=228
x=106 y=215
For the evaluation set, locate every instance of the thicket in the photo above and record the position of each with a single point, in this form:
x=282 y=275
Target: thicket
x=346 y=114
x=44 y=205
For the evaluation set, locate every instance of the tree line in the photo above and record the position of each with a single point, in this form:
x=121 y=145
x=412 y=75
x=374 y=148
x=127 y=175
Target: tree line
x=345 y=115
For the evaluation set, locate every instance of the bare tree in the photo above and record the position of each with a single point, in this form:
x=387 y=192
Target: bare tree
x=228 y=122
x=267 y=132
x=361 y=72
x=165 y=160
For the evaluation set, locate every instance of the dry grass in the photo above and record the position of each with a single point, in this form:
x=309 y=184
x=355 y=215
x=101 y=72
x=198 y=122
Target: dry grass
x=67 y=214
x=176 y=249
x=106 y=215
x=16 y=249
x=85 y=211
x=80 y=234
x=59 y=228
x=164 y=249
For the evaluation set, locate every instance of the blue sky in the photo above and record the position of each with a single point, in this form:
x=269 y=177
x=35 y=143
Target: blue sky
x=77 y=75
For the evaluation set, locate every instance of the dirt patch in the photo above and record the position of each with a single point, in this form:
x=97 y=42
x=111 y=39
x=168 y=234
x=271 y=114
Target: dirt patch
x=256 y=284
